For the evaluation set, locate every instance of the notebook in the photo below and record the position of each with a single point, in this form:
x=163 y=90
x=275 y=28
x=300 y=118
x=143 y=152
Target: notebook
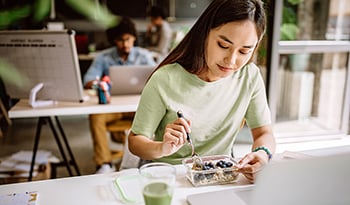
x=20 y=198
x=318 y=180
x=129 y=79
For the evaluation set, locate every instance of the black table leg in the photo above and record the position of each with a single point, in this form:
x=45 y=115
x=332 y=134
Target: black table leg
x=63 y=135
x=66 y=161
x=59 y=144
x=41 y=122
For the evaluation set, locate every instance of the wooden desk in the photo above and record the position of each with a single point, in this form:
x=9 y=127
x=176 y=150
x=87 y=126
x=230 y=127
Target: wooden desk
x=50 y=114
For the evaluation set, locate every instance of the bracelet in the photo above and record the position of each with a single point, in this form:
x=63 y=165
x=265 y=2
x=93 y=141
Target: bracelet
x=265 y=150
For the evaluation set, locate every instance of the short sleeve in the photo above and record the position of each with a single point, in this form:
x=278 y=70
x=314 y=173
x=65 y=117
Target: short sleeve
x=258 y=113
x=150 y=111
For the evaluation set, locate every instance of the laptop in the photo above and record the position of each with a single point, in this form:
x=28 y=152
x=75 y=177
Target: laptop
x=317 y=180
x=128 y=80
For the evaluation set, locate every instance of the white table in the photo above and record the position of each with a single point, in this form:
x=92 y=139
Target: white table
x=97 y=189
x=123 y=103
x=50 y=114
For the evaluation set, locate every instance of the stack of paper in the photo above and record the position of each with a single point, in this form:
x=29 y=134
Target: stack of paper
x=18 y=164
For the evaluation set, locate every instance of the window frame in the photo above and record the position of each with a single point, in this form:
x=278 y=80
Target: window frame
x=278 y=47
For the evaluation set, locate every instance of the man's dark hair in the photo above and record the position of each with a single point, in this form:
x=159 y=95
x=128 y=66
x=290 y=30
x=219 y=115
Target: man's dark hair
x=156 y=11
x=125 y=26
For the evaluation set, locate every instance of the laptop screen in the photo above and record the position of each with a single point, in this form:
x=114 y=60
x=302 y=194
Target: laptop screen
x=127 y=80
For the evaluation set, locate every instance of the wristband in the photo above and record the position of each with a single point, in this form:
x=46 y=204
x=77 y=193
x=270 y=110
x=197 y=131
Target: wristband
x=265 y=150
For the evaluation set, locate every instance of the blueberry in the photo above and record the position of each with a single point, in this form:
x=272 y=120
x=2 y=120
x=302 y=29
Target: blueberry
x=229 y=164
x=198 y=177
x=206 y=167
x=209 y=176
x=209 y=164
x=219 y=163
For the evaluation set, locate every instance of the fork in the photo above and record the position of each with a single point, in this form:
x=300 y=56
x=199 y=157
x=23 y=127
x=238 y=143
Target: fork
x=197 y=160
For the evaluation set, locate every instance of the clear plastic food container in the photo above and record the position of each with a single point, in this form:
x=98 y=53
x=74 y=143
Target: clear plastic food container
x=217 y=169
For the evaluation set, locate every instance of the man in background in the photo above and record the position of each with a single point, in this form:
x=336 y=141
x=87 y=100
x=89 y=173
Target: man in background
x=123 y=36
x=159 y=33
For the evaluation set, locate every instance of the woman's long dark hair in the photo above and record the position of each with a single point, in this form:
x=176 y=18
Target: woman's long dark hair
x=190 y=52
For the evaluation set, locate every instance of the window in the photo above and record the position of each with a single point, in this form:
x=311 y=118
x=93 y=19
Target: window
x=309 y=90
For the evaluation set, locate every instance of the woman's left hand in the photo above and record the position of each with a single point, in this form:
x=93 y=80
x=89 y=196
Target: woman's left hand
x=251 y=164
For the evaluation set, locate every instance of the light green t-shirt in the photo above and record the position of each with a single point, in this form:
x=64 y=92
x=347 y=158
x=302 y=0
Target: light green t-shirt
x=215 y=109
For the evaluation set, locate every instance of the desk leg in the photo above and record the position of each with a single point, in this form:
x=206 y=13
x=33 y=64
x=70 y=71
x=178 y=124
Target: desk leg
x=54 y=132
x=67 y=145
x=41 y=122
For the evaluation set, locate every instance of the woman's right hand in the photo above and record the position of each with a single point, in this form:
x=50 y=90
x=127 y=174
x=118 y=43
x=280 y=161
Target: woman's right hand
x=175 y=136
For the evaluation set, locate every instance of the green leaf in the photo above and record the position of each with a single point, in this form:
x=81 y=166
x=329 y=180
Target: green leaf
x=10 y=75
x=10 y=16
x=94 y=12
x=289 y=15
x=42 y=9
x=289 y=31
x=294 y=2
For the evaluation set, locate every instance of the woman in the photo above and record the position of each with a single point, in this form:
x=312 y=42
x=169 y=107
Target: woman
x=209 y=76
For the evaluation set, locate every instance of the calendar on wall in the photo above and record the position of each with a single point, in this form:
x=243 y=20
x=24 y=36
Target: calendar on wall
x=42 y=56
